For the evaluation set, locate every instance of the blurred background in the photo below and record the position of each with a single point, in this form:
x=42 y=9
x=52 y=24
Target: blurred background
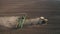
x=34 y=8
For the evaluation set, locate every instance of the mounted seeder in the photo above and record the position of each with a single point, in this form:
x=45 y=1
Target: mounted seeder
x=19 y=21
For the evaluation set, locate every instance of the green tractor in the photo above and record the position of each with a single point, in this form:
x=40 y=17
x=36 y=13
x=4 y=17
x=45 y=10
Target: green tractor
x=21 y=21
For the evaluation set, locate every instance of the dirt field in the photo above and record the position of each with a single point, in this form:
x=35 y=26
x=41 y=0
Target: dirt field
x=34 y=8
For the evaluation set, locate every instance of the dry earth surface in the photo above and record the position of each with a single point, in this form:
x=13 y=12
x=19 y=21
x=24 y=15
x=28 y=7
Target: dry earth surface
x=34 y=8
